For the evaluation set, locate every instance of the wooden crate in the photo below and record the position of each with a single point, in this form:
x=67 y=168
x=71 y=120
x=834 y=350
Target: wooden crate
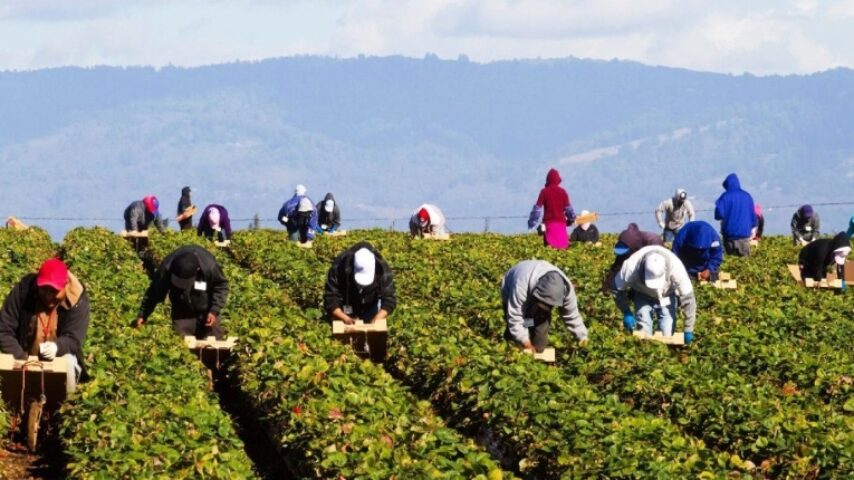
x=12 y=376
x=724 y=282
x=224 y=243
x=308 y=244
x=187 y=213
x=589 y=218
x=678 y=338
x=546 y=356
x=338 y=233
x=374 y=334
x=210 y=351
x=830 y=282
x=437 y=236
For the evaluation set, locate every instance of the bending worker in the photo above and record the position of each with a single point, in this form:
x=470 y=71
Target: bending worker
x=629 y=241
x=658 y=279
x=673 y=213
x=699 y=248
x=185 y=210
x=359 y=286
x=298 y=216
x=197 y=290
x=822 y=253
x=328 y=214
x=427 y=220
x=805 y=225
x=47 y=314
x=140 y=214
x=215 y=224
x=529 y=292
x=586 y=232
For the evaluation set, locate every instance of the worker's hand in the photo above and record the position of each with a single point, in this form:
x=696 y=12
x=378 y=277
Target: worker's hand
x=47 y=350
x=629 y=322
x=211 y=320
x=138 y=323
x=713 y=276
x=284 y=219
x=529 y=347
x=689 y=337
x=704 y=275
x=583 y=342
x=349 y=320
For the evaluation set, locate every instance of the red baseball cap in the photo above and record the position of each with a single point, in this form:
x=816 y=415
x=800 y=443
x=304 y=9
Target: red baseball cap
x=53 y=273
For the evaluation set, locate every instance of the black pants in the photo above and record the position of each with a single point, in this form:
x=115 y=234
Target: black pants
x=197 y=328
x=538 y=334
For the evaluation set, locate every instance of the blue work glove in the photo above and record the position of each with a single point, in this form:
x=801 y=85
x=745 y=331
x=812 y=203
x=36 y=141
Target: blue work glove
x=689 y=337
x=629 y=322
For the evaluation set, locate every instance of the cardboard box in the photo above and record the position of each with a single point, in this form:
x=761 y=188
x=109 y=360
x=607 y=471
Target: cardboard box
x=546 y=356
x=678 y=338
x=368 y=339
x=830 y=282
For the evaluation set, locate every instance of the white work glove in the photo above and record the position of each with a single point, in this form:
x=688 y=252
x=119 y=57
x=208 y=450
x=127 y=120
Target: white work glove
x=284 y=219
x=48 y=350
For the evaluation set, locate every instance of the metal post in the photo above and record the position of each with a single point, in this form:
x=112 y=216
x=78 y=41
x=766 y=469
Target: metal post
x=486 y=225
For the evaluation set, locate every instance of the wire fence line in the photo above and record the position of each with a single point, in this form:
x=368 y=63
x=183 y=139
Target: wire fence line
x=486 y=219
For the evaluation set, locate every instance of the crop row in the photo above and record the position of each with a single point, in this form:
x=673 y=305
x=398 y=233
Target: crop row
x=331 y=413
x=779 y=428
x=553 y=425
x=148 y=410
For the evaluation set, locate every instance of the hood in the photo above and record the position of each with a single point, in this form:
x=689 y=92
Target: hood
x=700 y=235
x=73 y=291
x=553 y=178
x=185 y=192
x=839 y=241
x=329 y=196
x=805 y=212
x=731 y=183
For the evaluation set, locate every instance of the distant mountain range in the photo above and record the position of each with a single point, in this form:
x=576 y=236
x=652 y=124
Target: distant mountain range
x=386 y=134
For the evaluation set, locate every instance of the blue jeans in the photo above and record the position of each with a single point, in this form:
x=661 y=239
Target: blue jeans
x=646 y=307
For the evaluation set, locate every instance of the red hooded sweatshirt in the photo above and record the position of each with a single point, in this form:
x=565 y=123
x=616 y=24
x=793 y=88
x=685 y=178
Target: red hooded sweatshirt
x=553 y=198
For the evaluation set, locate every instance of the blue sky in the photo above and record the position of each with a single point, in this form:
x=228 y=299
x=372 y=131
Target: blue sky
x=733 y=36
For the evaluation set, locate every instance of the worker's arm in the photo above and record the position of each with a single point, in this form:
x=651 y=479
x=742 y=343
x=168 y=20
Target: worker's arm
x=688 y=305
x=690 y=208
x=536 y=216
x=572 y=316
x=388 y=296
x=75 y=326
x=156 y=293
x=10 y=317
x=685 y=292
x=381 y=314
x=333 y=300
x=716 y=255
x=570 y=214
x=219 y=290
x=621 y=289
x=660 y=213
x=514 y=316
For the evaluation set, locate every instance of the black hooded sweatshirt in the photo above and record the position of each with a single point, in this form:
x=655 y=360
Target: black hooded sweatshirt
x=342 y=290
x=183 y=204
x=331 y=220
x=818 y=255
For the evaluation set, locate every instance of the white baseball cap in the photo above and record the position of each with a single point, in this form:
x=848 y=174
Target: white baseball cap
x=840 y=254
x=329 y=205
x=364 y=266
x=300 y=190
x=655 y=268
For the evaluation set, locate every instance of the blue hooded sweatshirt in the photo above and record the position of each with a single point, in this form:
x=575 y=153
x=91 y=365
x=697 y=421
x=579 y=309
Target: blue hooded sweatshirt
x=699 y=247
x=734 y=208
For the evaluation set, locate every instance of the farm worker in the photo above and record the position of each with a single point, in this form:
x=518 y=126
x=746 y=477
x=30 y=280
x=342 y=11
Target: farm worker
x=699 y=248
x=47 y=314
x=359 y=286
x=657 y=278
x=673 y=213
x=298 y=216
x=629 y=241
x=760 y=222
x=427 y=219
x=197 y=290
x=140 y=214
x=328 y=214
x=586 y=232
x=805 y=225
x=816 y=256
x=214 y=223
x=185 y=206
x=553 y=210
x=736 y=211
x=529 y=292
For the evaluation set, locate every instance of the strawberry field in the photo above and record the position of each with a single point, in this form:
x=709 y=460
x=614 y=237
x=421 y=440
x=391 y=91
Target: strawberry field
x=766 y=390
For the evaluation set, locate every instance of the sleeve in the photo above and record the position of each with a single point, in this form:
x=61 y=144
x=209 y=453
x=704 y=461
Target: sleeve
x=282 y=214
x=414 y=226
x=156 y=293
x=796 y=235
x=134 y=220
x=10 y=322
x=336 y=217
x=74 y=332
x=595 y=233
x=312 y=224
x=716 y=255
x=387 y=296
x=536 y=216
x=688 y=305
x=573 y=237
x=685 y=293
x=514 y=314
x=719 y=208
x=676 y=247
x=761 y=225
x=219 y=286
x=226 y=226
x=570 y=214
x=332 y=297
x=816 y=228
x=572 y=317
x=621 y=287
x=659 y=214
x=690 y=207
x=158 y=223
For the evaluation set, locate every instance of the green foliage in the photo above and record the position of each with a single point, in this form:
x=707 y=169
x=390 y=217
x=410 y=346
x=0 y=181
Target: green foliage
x=148 y=411
x=331 y=413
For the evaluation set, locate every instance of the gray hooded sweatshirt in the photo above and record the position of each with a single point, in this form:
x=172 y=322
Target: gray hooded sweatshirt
x=517 y=298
